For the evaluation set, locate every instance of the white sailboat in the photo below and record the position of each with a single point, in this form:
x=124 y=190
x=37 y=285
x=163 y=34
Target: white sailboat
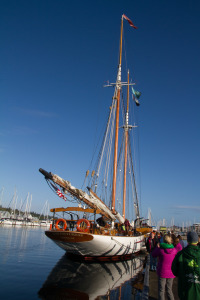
x=12 y=219
x=8 y=222
x=85 y=237
x=46 y=222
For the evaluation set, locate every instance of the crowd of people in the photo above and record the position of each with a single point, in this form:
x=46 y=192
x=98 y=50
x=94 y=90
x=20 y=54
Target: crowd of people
x=171 y=258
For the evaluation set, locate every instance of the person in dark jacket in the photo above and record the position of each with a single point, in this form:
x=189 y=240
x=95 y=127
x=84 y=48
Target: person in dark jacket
x=149 y=243
x=181 y=241
x=150 y=247
x=186 y=266
x=165 y=253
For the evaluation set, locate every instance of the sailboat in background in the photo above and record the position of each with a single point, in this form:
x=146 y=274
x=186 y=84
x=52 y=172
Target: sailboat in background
x=111 y=236
x=46 y=222
x=14 y=216
x=150 y=221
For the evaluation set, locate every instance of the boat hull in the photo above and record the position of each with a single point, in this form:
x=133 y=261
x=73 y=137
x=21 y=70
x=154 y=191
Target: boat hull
x=88 y=246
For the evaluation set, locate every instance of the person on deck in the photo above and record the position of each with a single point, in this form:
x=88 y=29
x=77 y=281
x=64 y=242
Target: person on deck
x=101 y=221
x=186 y=266
x=127 y=226
x=165 y=253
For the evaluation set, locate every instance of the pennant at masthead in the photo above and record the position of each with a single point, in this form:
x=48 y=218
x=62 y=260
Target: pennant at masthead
x=130 y=22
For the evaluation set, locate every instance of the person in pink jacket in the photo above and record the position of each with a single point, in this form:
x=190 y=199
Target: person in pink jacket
x=165 y=253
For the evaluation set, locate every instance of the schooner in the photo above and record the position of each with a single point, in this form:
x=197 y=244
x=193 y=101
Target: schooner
x=113 y=236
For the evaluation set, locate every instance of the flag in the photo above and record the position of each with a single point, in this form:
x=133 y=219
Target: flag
x=58 y=192
x=130 y=22
x=136 y=96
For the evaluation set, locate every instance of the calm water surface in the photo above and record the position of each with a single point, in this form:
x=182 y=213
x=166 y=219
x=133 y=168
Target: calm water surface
x=33 y=267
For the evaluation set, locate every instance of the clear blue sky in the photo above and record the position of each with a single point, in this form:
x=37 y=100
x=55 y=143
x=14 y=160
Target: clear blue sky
x=55 y=57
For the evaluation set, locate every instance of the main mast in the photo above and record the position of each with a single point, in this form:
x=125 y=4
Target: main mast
x=117 y=95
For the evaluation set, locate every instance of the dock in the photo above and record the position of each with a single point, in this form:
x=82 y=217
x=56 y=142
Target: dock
x=153 y=286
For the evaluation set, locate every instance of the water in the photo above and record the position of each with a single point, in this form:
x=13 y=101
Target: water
x=33 y=267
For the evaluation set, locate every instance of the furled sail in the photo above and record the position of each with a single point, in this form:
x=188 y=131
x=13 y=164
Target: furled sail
x=90 y=199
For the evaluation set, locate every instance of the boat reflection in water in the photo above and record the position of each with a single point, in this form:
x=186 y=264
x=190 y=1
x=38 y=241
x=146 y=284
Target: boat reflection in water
x=80 y=280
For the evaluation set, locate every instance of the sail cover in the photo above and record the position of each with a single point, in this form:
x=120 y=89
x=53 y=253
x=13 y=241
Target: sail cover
x=90 y=199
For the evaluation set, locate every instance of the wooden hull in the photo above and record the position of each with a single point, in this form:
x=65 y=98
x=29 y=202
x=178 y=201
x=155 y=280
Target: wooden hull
x=102 y=247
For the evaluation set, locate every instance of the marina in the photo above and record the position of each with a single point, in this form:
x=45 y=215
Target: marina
x=99 y=122
x=16 y=222
x=13 y=216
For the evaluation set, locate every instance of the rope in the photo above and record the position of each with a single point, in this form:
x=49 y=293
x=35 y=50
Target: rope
x=67 y=199
x=133 y=174
x=100 y=156
x=109 y=147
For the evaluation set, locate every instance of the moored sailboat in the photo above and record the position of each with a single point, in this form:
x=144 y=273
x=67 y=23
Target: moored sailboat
x=111 y=236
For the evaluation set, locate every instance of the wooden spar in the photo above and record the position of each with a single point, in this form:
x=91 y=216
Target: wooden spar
x=95 y=195
x=74 y=192
x=125 y=151
x=87 y=210
x=118 y=85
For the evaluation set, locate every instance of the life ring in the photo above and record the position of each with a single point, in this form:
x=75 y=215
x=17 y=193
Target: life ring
x=83 y=228
x=64 y=224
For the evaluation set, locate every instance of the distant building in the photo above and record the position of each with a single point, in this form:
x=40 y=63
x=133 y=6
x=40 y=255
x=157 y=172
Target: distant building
x=196 y=227
x=163 y=229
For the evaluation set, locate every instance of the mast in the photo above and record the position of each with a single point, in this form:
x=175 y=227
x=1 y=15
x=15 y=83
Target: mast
x=117 y=95
x=125 y=151
x=1 y=197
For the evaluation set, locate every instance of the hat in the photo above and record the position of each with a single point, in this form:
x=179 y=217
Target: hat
x=192 y=237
